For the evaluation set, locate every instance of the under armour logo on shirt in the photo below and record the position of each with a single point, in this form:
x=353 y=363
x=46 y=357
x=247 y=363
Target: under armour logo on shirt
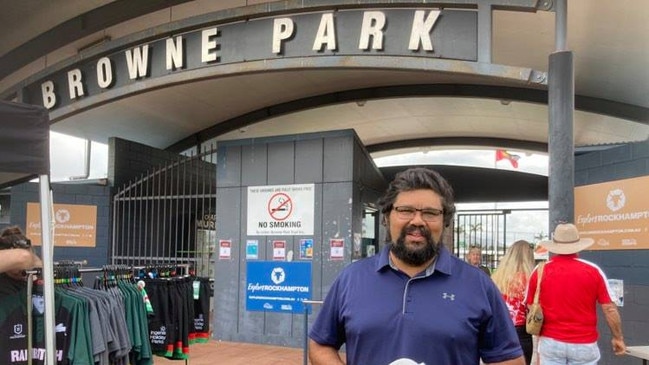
x=448 y=296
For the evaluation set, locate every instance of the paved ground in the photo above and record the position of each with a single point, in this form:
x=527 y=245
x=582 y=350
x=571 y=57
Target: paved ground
x=235 y=353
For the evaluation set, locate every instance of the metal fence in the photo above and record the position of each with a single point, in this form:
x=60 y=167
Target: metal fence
x=167 y=216
x=486 y=230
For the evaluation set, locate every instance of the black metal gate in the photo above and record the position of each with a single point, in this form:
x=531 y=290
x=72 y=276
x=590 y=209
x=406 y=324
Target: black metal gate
x=486 y=230
x=167 y=216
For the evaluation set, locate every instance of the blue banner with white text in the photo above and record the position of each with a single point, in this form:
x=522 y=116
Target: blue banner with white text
x=273 y=286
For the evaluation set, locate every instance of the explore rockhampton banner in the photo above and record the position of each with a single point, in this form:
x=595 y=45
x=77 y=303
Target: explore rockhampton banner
x=278 y=286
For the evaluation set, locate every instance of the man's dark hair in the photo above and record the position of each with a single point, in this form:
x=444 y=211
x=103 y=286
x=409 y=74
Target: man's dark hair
x=418 y=178
x=13 y=237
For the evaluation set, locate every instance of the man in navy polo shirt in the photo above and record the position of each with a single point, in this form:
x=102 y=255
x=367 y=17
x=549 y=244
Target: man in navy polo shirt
x=414 y=302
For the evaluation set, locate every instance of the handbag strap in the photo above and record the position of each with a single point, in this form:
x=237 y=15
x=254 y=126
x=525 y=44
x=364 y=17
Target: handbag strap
x=538 y=282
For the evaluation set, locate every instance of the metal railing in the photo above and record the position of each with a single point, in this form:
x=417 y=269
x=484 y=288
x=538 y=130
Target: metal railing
x=308 y=305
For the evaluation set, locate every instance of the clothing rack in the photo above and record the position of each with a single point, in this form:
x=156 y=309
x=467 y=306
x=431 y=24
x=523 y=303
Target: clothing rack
x=74 y=270
x=186 y=267
x=71 y=262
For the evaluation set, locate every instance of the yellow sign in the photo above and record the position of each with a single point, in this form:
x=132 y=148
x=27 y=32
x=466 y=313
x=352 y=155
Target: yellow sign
x=74 y=225
x=615 y=214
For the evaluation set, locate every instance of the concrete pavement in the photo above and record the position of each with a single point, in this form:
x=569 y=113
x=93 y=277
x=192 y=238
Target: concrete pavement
x=236 y=353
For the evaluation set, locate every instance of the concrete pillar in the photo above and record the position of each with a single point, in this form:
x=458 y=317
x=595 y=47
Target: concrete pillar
x=561 y=105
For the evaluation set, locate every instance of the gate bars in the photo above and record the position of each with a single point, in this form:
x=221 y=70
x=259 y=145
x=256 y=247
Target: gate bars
x=484 y=229
x=168 y=215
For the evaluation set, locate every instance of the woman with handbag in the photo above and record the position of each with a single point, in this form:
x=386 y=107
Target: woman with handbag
x=511 y=278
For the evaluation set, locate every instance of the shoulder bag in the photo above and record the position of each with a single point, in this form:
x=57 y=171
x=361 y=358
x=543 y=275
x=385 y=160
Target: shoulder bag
x=535 y=314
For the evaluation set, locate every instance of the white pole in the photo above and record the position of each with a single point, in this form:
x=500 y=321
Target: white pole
x=561 y=25
x=48 y=267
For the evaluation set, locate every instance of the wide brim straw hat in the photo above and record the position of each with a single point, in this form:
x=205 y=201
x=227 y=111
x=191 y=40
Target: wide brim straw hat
x=566 y=240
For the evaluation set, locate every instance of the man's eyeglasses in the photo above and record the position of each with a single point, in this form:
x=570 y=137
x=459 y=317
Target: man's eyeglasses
x=12 y=242
x=22 y=243
x=427 y=214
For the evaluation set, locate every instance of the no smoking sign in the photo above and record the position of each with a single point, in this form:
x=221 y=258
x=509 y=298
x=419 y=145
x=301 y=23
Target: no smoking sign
x=280 y=206
x=281 y=210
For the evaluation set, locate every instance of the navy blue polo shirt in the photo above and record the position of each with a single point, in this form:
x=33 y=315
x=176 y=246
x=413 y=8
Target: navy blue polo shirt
x=452 y=314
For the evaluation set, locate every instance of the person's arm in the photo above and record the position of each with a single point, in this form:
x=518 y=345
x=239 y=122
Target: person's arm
x=18 y=259
x=517 y=361
x=615 y=324
x=323 y=355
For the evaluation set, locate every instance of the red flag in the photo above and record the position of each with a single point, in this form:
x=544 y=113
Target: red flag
x=504 y=155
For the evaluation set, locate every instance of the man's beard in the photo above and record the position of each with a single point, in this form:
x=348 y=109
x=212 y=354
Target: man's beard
x=415 y=256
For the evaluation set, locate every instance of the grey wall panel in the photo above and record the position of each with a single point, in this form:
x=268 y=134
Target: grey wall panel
x=365 y=170
x=640 y=150
x=581 y=178
x=252 y=325
x=281 y=163
x=357 y=222
x=599 y=175
x=318 y=244
x=588 y=161
x=336 y=223
x=338 y=159
x=227 y=276
x=228 y=166
x=279 y=325
x=629 y=169
x=308 y=160
x=615 y=155
x=254 y=164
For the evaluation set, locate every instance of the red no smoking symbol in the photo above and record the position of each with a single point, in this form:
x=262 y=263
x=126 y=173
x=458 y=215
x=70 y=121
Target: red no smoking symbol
x=280 y=206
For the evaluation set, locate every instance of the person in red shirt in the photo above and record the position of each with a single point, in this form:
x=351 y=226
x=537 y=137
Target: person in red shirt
x=570 y=289
x=511 y=278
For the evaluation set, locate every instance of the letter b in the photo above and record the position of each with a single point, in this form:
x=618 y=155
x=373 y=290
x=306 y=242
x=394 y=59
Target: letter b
x=49 y=98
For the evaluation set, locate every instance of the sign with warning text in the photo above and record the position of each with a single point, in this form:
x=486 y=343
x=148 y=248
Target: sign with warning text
x=281 y=210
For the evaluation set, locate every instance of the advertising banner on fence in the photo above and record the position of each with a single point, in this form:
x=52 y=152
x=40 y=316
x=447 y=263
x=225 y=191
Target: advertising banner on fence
x=277 y=286
x=615 y=214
